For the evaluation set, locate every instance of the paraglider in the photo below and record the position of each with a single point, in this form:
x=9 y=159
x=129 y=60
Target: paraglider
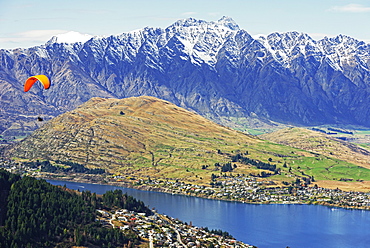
x=31 y=80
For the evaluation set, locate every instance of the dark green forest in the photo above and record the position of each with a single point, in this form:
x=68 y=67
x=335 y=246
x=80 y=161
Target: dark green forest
x=46 y=166
x=34 y=213
x=259 y=164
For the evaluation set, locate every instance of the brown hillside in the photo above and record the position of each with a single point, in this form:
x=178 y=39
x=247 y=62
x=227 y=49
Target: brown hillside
x=142 y=135
x=322 y=144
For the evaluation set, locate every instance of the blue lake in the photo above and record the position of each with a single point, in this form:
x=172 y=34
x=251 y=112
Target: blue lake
x=265 y=226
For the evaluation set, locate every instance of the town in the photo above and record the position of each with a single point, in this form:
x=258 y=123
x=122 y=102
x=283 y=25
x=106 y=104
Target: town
x=159 y=230
x=163 y=231
x=249 y=190
x=239 y=188
x=155 y=230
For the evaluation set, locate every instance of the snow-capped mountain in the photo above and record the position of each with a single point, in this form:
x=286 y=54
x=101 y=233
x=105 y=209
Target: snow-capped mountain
x=70 y=37
x=213 y=68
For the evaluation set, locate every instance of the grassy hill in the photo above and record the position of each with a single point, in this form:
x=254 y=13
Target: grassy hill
x=337 y=151
x=145 y=136
x=322 y=144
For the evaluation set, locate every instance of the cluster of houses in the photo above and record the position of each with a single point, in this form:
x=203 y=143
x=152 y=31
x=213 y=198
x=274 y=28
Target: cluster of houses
x=163 y=231
x=235 y=188
x=249 y=190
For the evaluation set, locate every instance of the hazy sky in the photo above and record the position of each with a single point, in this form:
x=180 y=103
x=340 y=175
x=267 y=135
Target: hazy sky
x=26 y=23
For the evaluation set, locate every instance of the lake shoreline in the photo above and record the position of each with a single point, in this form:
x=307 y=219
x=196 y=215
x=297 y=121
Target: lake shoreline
x=128 y=184
x=293 y=225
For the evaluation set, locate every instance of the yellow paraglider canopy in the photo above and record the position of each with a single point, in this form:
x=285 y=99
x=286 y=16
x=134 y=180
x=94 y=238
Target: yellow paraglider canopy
x=31 y=80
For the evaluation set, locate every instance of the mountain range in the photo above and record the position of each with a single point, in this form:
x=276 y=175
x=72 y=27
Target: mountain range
x=213 y=68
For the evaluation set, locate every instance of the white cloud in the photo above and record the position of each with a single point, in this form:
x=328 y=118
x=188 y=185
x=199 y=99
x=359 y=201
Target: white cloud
x=31 y=35
x=351 y=8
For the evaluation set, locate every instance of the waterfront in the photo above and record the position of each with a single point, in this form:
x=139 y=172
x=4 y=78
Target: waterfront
x=272 y=225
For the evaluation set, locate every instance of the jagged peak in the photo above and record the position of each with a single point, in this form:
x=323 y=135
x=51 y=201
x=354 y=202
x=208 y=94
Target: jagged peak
x=291 y=34
x=223 y=21
x=228 y=22
x=285 y=41
x=187 y=22
x=341 y=38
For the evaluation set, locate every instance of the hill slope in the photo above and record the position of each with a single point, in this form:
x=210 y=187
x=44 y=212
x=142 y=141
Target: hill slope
x=138 y=133
x=322 y=144
x=141 y=137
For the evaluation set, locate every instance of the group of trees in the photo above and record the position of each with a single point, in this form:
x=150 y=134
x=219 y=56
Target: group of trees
x=224 y=234
x=68 y=166
x=6 y=181
x=38 y=214
x=227 y=167
x=331 y=130
x=339 y=130
x=116 y=199
x=259 y=164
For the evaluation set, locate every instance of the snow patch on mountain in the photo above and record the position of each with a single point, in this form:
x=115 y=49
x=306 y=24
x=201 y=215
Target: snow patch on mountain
x=200 y=42
x=228 y=22
x=70 y=37
x=193 y=61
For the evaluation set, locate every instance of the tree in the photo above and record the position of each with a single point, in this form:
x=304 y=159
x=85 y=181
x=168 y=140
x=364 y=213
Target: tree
x=226 y=167
x=39 y=214
x=297 y=182
x=290 y=189
x=213 y=177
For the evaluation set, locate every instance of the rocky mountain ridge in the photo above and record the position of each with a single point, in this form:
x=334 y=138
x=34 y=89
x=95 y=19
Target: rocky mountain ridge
x=213 y=68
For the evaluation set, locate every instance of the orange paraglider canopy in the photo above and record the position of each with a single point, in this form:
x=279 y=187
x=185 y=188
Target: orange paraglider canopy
x=31 y=80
